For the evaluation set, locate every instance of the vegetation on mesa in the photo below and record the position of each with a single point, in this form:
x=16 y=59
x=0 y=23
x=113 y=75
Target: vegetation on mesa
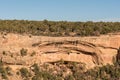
x=78 y=72
x=60 y=28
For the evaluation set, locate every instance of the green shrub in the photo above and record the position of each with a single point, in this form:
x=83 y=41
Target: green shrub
x=40 y=74
x=3 y=72
x=25 y=73
x=36 y=68
x=23 y=52
x=69 y=77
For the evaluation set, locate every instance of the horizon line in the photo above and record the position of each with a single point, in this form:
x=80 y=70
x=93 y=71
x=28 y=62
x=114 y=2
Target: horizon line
x=100 y=20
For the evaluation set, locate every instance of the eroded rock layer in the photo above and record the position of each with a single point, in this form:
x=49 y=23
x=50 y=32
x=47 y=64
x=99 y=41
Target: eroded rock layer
x=89 y=50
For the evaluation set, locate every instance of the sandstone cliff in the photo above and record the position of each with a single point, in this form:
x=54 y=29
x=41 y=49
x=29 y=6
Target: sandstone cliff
x=92 y=51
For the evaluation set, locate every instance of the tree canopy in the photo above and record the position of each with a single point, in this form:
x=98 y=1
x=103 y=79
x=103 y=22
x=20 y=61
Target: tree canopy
x=59 y=28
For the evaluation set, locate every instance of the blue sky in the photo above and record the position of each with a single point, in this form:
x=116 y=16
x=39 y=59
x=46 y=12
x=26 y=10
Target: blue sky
x=70 y=10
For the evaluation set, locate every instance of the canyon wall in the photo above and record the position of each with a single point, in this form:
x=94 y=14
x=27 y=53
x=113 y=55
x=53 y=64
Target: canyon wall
x=89 y=50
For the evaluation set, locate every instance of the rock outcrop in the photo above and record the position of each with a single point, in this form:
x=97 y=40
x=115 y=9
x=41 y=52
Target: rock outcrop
x=92 y=51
